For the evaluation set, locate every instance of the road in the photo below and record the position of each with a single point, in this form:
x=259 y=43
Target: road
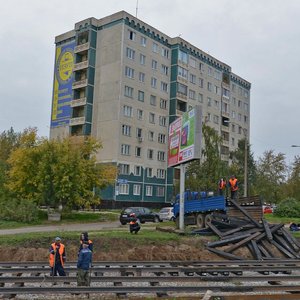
x=64 y=227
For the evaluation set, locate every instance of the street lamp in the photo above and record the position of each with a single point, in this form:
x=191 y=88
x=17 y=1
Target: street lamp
x=295 y=146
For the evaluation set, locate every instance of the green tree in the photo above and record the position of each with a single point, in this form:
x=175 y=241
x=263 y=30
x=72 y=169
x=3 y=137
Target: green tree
x=271 y=175
x=205 y=174
x=58 y=172
x=292 y=186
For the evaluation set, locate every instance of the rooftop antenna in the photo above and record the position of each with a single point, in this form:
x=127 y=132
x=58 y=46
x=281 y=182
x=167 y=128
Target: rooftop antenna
x=137 y=7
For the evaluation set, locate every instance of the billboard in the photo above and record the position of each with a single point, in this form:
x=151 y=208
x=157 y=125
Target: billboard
x=62 y=85
x=184 y=140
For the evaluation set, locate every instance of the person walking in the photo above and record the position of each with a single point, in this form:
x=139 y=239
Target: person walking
x=222 y=186
x=233 y=185
x=85 y=237
x=134 y=226
x=84 y=264
x=57 y=258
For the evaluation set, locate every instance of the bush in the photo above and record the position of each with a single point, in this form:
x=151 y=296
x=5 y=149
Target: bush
x=289 y=207
x=20 y=211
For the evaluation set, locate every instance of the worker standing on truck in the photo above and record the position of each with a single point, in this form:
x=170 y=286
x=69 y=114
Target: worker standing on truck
x=222 y=186
x=233 y=185
x=57 y=257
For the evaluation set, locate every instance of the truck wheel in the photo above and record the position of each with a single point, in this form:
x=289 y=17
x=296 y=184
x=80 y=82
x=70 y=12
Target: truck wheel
x=200 y=221
x=207 y=219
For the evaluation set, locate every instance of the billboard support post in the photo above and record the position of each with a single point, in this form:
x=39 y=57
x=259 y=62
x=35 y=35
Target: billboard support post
x=181 y=203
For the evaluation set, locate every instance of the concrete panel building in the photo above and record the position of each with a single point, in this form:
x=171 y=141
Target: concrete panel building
x=122 y=81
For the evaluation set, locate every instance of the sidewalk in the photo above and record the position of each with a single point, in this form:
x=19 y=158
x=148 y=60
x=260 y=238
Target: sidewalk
x=80 y=227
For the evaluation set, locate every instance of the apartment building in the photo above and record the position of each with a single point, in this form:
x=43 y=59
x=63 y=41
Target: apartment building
x=123 y=81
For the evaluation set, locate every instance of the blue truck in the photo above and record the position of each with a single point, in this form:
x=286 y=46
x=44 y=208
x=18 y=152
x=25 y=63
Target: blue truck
x=198 y=207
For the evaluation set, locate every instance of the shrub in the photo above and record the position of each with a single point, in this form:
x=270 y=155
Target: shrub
x=20 y=211
x=289 y=207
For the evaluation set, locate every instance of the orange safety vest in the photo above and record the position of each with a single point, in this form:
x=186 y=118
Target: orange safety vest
x=233 y=184
x=60 y=252
x=222 y=184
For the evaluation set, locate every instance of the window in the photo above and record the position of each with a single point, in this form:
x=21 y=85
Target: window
x=239 y=104
x=193 y=78
x=154 y=64
x=124 y=189
x=240 y=130
x=163 y=104
x=182 y=72
x=209 y=86
x=152 y=118
x=233 y=101
x=192 y=62
x=201 y=67
x=141 y=96
x=138 y=151
x=153 y=100
x=161 y=155
x=232 y=141
x=164 y=87
x=216 y=104
x=124 y=169
x=160 y=191
x=246 y=94
x=181 y=89
x=232 y=127
x=200 y=98
x=225 y=107
x=127 y=111
x=233 y=114
x=153 y=82
x=150 y=153
x=130 y=53
x=129 y=72
x=139 y=132
x=225 y=93
x=131 y=35
x=137 y=170
x=208 y=101
x=239 y=117
x=208 y=117
x=209 y=71
x=151 y=136
x=125 y=149
x=155 y=47
x=216 y=119
x=140 y=114
x=128 y=91
x=161 y=173
x=149 y=172
x=126 y=130
x=164 y=69
x=233 y=88
x=142 y=59
x=246 y=106
x=142 y=77
x=217 y=90
x=192 y=94
x=164 y=52
x=149 y=189
x=136 y=189
x=201 y=82
x=218 y=75
x=162 y=121
x=143 y=41
x=182 y=56
x=161 y=138
x=245 y=119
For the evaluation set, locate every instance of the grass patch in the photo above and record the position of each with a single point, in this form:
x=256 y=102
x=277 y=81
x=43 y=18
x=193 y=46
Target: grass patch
x=286 y=220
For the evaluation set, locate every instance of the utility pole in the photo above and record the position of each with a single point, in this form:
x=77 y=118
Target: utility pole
x=246 y=166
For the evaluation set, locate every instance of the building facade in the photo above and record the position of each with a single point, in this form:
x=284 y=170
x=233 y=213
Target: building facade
x=122 y=81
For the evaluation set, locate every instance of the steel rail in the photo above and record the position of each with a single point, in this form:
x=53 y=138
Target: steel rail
x=148 y=289
x=230 y=278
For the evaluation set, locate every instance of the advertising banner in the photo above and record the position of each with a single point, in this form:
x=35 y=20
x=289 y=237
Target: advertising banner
x=185 y=135
x=62 y=86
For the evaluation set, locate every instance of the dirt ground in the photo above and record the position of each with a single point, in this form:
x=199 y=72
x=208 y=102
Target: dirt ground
x=117 y=250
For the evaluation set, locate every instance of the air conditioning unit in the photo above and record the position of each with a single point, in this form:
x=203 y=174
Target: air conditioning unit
x=140 y=139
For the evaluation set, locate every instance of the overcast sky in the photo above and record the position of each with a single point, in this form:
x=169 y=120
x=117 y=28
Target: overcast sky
x=260 y=40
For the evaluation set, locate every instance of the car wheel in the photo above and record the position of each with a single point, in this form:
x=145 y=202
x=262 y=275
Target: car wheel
x=156 y=220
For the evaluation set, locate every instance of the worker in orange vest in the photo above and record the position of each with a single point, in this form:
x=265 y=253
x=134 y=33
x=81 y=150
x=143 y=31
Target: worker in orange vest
x=222 y=186
x=57 y=257
x=134 y=226
x=233 y=185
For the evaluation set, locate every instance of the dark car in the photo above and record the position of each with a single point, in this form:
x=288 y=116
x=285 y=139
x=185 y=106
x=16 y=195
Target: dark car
x=143 y=214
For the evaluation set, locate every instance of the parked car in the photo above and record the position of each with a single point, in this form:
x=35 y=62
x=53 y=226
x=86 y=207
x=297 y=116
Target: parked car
x=143 y=214
x=267 y=210
x=166 y=214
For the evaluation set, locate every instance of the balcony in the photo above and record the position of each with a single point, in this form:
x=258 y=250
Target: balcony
x=79 y=84
x=225 y=128
x=181 y=96
x=179 y=112
x=225 y=114
x=225 y=143
x=225 y=157
x=78 y=102
x=82 y=47
x=77 y=121
x=81 y=65
x=182 y=80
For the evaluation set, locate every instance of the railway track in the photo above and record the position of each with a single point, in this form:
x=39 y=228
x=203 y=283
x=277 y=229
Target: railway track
x=272 y=279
